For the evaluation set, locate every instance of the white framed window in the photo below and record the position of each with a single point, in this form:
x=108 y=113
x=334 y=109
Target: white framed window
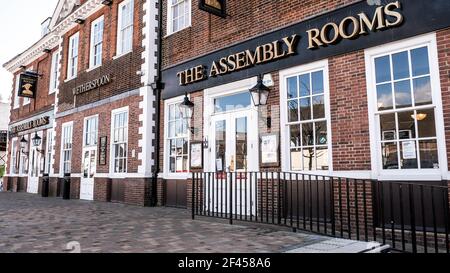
x=14 y=155
x=90 y=131
x=179 y=15
x=96 y=42
x=16 y=92
x=305 y=117
x=54 y=73
x=66 y=147
x=125 y=27
x=119 y=140
x=72 y=65
x=23 y=168
x=48 y=151
x=176 y=138
x=405 y=109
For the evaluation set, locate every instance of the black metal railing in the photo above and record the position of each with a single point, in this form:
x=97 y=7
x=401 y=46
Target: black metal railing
x=410 y=217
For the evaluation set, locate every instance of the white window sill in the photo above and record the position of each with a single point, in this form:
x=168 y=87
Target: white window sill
x=175 y=32
x=121 y=55
x=52 y=91
x=411 y=175
x=177 y=176
x=69 y=79
x=93 y=68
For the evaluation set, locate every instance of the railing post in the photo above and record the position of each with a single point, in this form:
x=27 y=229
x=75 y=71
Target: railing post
x=413 y=218
x=231 y=198
x=193 y=196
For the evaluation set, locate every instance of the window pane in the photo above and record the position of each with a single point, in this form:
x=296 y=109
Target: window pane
x=406 y=125
x=321 y=133
x=293 y=110
x=292 y=87
x=383 y=69
x=220 y=145
x=233 y=102
x=317 y=82
x=318 y=107
x=428 y=154
x=390 y=156
x=387 y=126
x=305 y=88
x=322 y=158
x=296 y=160
x=305 y=109
x=408 y=154
x=426 y=123
x=403 y=94
x=307 y=134
x=400 y=65
x=384 y=95
x=241 y=143
x=295 y=135
x=419 y=61
x=309 y=159
x=422 y=91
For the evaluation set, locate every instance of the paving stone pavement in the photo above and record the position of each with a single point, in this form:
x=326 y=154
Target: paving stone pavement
x=32 y=224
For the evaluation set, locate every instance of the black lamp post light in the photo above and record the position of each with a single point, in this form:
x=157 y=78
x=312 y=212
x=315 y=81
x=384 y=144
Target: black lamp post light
x=23 y=145
x=260 y=92
x=187 y=107
x=37 y=140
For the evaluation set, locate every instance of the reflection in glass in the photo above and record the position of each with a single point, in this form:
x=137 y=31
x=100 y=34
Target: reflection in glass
x=293 y=110
x=296 y=159
x=241 y=143
x=384 y=96
x=292 y=87
x=322 y=158
x=233 y=102
x=422 y=91
x=387 y=126
x=383 y=69
x=295 y=135
x=402 y=92
x=305 y=88
x=321 y=133
x=420 y=62
x=406 y=125
x=428 y=154
x=400 y=65
x=317 y=83
x=86 y=165
x=390 y=157
x=426 y=123
x=307 y=134
x=318 y=107
x=305 y=109
x=92 y=167
x=309 y=159
x=220 y=145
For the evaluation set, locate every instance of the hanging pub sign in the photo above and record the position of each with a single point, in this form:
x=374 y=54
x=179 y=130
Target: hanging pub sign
x=27 y=85
x=216 y=7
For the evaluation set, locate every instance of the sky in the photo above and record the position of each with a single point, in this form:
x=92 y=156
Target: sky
x=21 y=28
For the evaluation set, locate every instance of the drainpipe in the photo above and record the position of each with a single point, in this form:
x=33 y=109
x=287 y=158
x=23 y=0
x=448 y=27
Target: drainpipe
x=157 y=87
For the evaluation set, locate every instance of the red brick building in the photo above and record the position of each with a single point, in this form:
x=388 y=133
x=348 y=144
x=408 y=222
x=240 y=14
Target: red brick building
x=102 y=105
x=357 y=89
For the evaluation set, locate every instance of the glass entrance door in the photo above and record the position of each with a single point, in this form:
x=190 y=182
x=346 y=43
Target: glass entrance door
x=33 y=171
x=234 y=154
x=89 y=169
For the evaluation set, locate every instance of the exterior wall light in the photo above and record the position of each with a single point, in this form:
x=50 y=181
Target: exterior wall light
x=23 y=145
x=37 y=140
x=107 y=2
x=260 y=92
x=188 y=106
x=79 y=21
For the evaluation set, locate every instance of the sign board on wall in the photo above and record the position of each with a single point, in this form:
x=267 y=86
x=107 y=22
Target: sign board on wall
x=103 y=149
x=30 y=125
x=348 y=29
x=28 y=85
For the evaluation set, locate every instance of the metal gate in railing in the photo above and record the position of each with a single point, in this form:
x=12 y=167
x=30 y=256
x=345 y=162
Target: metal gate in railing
x=410 y=217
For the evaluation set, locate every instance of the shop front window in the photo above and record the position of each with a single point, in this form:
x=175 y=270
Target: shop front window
x=120 y=141
x=307 y=123
x=177 y=139
x=405 y=110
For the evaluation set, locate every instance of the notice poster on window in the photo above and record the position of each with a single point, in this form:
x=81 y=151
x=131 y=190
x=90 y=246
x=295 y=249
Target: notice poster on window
x=409 y=150
x=196 y=155
x=269 y=149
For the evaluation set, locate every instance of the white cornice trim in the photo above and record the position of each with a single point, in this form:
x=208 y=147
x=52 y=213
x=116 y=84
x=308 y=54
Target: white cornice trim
x=51 y=40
